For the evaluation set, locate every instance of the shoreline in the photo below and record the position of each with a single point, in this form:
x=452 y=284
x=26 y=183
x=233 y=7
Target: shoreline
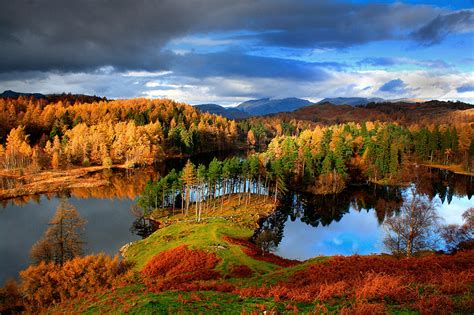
x=55 y=181
x=51 y=181
x=455 y=168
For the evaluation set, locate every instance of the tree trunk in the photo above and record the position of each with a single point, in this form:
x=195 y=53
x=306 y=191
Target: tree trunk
x=276 y=191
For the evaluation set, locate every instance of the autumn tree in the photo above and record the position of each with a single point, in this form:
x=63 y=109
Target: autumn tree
x=62 y=240
x=251 y=138
x=46 y=284
x=189 y=179
x=17 y=151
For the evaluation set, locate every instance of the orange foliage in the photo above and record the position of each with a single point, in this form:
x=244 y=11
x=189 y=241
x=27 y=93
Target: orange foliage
x=253 y=251
x=10 y=298
x=369 y=279
x=45 y=284
x=363 y=308
x=240 y=271
x=178 y=266
x=454 y=283
x=435 y=305
x=380 y=286
x=331 y=290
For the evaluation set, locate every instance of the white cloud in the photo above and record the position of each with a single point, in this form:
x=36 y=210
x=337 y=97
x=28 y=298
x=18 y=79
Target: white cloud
x=146 y=73
x=201 y=41
x=231 y=90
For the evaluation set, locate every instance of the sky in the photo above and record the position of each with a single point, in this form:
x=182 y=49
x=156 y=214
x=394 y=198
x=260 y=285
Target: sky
x=226 y=52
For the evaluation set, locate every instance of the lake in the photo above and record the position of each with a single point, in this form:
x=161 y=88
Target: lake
x=308 y=225
x=110 y=221
x=350 y=222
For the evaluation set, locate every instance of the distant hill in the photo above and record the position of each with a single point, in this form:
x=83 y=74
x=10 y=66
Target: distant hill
x=65 y=97
x=353 y=101
x=359 y=101
x=228 y=112
x=407 y=100
x=13 y=94
x=406 y=112
x=267 y=106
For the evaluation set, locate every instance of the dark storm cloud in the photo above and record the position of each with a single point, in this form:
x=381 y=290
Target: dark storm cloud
x=441 y=26
x=230 y=64
x=394 y=86
x=84 y=35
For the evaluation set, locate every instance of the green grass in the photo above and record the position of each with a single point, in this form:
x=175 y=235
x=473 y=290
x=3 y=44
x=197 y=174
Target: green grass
x=208 y=236
x=206 y=302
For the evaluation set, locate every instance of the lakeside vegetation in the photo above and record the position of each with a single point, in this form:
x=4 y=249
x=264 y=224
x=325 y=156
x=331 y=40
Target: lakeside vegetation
x=40 y=136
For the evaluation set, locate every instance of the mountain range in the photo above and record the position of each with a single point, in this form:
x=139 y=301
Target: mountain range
x=266 y=106
x=228 y=112
x=407 y=112
x=67 y=97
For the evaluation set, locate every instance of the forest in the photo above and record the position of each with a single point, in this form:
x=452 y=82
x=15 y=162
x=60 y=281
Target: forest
x=322 y=160
x=39 y=135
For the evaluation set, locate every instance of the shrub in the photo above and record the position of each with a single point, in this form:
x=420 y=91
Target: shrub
x=364 y=308
x=107 y=162
x=370 y=279
x=240 y=271
x=381 y=286
x=435 y=304
x=86 y=162
x=332 y=290
x=454 y=283
x=10 y=298
x=172 y=268
x=47 y=283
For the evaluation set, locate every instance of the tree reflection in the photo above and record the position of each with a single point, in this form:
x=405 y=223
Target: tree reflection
x=385 y=201
x=141 y=226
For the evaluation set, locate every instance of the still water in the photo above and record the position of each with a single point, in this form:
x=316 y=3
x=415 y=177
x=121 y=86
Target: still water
x=107 y=228
x=107 y=210
x=307 y=225
x=351 y=222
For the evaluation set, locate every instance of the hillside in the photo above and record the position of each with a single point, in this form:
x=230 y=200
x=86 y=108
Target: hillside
x=362 y=101
x=434 y=111
x=267 y=106
x=192 y=267
x=227 y=112
x=353 y=101
x=53 y=98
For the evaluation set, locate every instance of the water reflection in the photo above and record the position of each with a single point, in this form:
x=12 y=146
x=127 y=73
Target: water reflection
x=305 y=225
x=110 y=223
x=350 y=222
x=123 y=183
x=143 y=227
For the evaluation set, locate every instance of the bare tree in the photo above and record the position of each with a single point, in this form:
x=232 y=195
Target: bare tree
x=457 y=236
x=62 y=241
x=414 y=228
